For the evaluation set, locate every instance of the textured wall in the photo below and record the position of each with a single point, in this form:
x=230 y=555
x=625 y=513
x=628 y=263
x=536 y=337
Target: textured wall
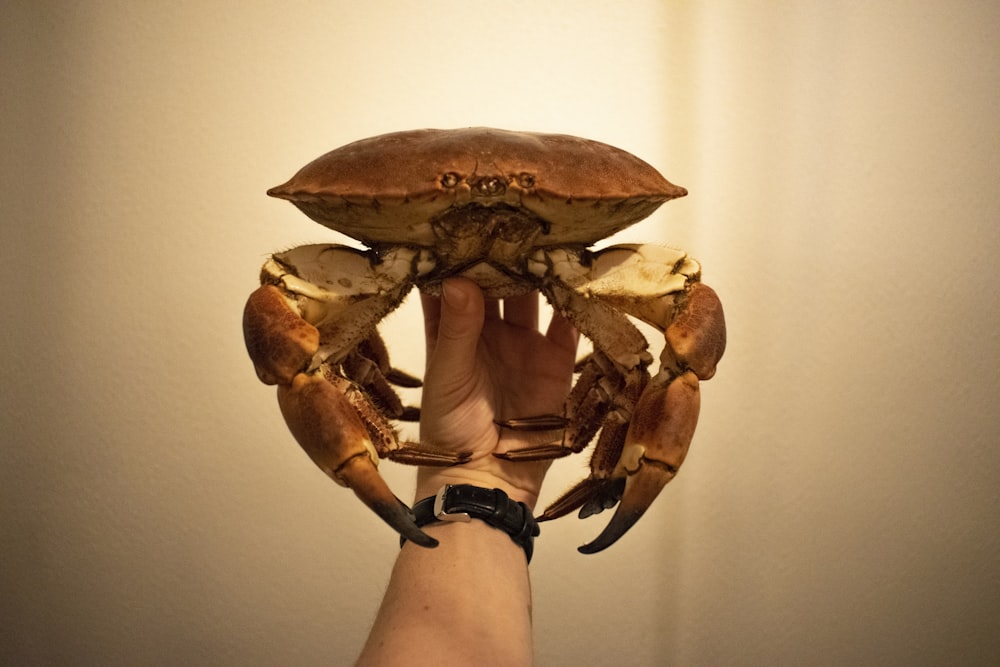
x=840 y=502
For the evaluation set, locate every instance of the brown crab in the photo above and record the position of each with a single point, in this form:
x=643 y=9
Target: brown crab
x=515 y=212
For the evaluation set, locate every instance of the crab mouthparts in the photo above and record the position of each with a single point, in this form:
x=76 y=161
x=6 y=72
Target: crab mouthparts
x=488 y=244
x=499 y=234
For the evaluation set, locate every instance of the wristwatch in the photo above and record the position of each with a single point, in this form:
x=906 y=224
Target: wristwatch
x=464 y=502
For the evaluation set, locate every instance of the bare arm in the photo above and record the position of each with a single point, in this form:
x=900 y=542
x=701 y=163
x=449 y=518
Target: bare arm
x=468 y=601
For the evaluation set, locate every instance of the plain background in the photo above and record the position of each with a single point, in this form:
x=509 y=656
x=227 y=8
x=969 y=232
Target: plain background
x=841 y=501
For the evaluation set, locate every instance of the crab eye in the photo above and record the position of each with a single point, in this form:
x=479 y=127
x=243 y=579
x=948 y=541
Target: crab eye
x=526 y=180
x=490 y=186
x=450 y=179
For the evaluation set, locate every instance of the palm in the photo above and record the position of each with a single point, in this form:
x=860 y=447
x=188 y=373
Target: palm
x=515 y=372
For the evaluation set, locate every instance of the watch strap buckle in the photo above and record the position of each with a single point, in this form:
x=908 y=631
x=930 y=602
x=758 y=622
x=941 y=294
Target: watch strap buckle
x=441 y=509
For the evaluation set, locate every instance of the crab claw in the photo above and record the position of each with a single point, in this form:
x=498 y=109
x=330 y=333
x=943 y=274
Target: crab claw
x=655 y=446
x=327 y=426
x=279 y=341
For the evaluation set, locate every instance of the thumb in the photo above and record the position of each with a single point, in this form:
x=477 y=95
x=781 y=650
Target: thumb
x=461 y=322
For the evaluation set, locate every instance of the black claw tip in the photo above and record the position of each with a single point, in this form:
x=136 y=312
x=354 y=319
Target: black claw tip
x=410 y=414
x=402 y=379
x=400 y=517
x=420 y=538
x=639 y=491
x=619 y=525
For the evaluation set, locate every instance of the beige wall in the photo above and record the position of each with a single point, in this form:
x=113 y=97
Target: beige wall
x=840 y=502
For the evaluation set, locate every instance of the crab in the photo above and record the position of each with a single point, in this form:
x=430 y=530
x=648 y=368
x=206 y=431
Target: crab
x=516 y=212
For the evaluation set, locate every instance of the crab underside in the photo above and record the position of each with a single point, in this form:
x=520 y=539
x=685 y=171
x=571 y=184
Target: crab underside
x=515 y=212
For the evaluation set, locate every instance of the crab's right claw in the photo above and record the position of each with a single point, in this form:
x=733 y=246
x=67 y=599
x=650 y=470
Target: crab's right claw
x=328 y=428
x=655 y=446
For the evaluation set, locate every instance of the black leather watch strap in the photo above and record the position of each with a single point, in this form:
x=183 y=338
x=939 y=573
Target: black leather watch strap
x=464 y=502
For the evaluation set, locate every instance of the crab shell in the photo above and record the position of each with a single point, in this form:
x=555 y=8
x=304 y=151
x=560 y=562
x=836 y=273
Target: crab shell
x=387 y=190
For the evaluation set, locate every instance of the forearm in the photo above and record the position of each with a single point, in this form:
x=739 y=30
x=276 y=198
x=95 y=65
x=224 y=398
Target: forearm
x=468 y=601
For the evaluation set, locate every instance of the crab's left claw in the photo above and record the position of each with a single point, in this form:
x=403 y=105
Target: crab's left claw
x=326 y=425
x=666 y=414
x=655 y=446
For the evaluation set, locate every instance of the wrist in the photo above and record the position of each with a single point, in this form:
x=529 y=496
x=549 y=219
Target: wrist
x=464 y=503
x=431 y=479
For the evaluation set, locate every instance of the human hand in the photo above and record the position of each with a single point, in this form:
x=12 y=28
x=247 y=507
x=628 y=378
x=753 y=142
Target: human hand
x=483 y=368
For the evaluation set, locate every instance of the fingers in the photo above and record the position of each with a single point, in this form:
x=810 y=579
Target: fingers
x=522 y=311
x=453 y=325
x=432 y=317
x=492 y=309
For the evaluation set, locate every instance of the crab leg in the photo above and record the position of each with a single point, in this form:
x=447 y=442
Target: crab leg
x=645 y=427
x=655 y=446
x=587 y=407
x=304 y=335
x=666 y=414
x=325 y=424
x=609 y=409
x=368 y=365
